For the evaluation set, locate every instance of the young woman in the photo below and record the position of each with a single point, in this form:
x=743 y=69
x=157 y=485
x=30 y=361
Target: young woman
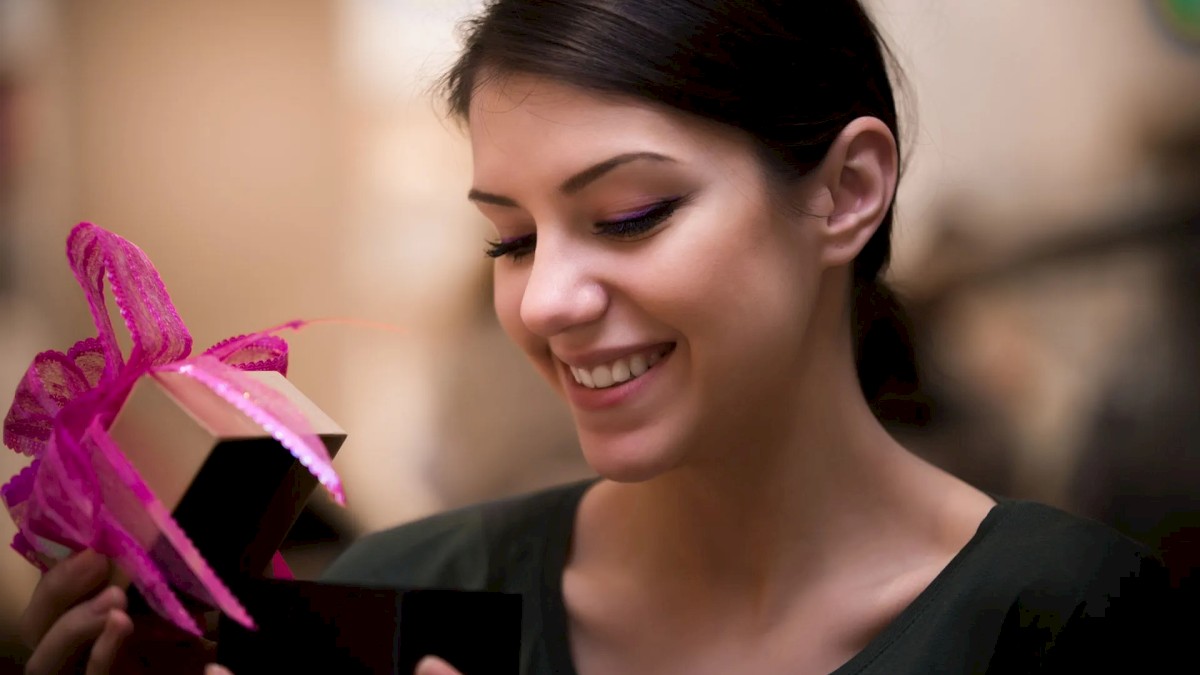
x=693 y=205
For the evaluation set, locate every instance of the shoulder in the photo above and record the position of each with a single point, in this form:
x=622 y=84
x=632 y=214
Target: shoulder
x=469 y=548
x=1078 y=590
x=1060 y=544
x=1045 y=548
x=1035 y=590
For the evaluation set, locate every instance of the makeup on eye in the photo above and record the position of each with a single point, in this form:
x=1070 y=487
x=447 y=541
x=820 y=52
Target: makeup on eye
x=641 y=220
x=627 y=226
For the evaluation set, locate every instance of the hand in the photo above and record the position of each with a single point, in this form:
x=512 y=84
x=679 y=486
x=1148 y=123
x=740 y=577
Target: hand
x=70 y=617
x=74 y=619
x=432 y=665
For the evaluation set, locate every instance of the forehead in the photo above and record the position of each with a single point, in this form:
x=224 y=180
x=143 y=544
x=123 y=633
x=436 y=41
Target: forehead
x=511 y=100
x=519 y=122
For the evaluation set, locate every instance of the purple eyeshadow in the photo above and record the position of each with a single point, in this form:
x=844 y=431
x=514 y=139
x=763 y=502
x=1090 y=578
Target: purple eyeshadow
x=640 y=213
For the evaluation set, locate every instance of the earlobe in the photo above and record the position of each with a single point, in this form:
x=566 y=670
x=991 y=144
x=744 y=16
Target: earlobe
x=860 y=172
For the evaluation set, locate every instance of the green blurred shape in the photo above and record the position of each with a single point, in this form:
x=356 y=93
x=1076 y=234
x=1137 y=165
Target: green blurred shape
x=1186 y=12
x=1182 y=17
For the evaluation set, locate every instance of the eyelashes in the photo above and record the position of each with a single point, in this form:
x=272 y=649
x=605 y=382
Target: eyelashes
x=517 y=247
x=642 y=221
x=628 y=227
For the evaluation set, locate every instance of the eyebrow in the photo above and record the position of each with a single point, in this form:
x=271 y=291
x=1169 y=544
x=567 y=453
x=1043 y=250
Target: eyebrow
x=577 y=182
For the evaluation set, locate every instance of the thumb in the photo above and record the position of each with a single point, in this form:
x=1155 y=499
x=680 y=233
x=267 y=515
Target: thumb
x=216 y=669
x=432 y=665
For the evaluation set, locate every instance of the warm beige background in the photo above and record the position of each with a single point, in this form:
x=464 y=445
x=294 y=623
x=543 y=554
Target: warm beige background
x=281 y=159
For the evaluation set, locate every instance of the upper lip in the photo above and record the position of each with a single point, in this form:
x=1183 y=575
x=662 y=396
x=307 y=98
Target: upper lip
x=597 y=357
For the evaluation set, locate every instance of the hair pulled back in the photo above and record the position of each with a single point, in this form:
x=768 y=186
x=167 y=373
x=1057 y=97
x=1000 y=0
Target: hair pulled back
x=792 y=74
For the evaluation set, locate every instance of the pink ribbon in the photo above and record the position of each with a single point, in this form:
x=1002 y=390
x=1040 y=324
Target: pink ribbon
x=80 y=491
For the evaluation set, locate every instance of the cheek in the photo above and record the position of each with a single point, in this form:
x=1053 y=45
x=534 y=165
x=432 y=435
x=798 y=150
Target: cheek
x=743 y=295
x=730 y=273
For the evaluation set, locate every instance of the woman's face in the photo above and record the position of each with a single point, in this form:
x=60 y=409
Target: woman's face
x=642 y=267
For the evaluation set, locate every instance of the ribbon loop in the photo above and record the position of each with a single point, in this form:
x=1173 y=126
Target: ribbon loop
x=81 y=491
x=257 y=351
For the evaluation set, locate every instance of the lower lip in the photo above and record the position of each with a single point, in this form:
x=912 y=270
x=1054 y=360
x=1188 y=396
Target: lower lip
x=600 y=399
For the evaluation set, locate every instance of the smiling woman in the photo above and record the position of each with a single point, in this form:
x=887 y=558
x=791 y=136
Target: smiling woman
x=689 y=248
x=659 y=240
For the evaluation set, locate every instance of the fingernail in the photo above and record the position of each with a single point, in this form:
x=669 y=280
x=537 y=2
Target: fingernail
x=432 y=665
x=216 y=669
x=118 y=621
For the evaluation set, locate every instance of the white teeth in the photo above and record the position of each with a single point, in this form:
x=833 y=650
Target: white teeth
x=602 y=376
x=621 y=370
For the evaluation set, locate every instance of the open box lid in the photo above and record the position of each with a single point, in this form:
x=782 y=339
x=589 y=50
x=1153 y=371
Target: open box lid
x=171 y=423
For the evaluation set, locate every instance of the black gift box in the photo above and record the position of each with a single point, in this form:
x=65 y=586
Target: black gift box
x=311 y=627
x=233 y=489
x=236 y=492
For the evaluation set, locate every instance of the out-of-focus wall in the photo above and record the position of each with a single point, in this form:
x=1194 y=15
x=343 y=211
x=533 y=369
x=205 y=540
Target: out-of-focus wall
x=283 y=159
x=207 y=133
x=1031 y=122
x=1024 y=113
x=477 y=422
x=1048 y=221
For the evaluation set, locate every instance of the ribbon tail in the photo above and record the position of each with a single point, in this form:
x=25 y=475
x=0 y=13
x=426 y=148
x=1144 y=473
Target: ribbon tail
x=280 y=568
x=15 y=494
x=268 y=409
x=143 y=571
x=130 y=506
x=29 y=552
x=53 y=502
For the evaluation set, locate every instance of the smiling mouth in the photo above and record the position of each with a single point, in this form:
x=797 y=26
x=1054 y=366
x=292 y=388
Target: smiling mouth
x=621 y=370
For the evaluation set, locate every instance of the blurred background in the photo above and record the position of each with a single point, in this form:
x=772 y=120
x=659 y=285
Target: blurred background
x=283 y=159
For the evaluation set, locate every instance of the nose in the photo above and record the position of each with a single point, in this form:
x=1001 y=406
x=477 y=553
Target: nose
x=560 y=293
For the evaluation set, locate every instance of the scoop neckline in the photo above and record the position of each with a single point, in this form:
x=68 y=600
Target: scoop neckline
x=910 y=615
x=561 y=531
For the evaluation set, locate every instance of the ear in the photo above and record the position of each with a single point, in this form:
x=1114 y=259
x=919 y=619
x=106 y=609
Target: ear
x=859 y=176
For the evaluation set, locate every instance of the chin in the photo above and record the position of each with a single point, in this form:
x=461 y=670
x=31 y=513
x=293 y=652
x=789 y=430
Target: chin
x=626 y=459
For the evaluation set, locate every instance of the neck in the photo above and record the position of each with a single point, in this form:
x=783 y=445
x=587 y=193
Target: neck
x=764 y=516
x=778 y=500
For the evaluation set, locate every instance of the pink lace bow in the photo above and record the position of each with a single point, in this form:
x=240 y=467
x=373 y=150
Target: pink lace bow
x=80 y=491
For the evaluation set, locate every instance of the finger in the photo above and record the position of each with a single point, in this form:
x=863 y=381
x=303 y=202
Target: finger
x=432 y=665
x=216 y=669
x=117 y=627
x=73 y=632
x=65 y=585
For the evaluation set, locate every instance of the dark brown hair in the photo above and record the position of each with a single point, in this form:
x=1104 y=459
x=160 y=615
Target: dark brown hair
x=790 y=73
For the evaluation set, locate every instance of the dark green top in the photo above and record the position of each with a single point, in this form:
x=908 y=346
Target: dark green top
x=1035 y=590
